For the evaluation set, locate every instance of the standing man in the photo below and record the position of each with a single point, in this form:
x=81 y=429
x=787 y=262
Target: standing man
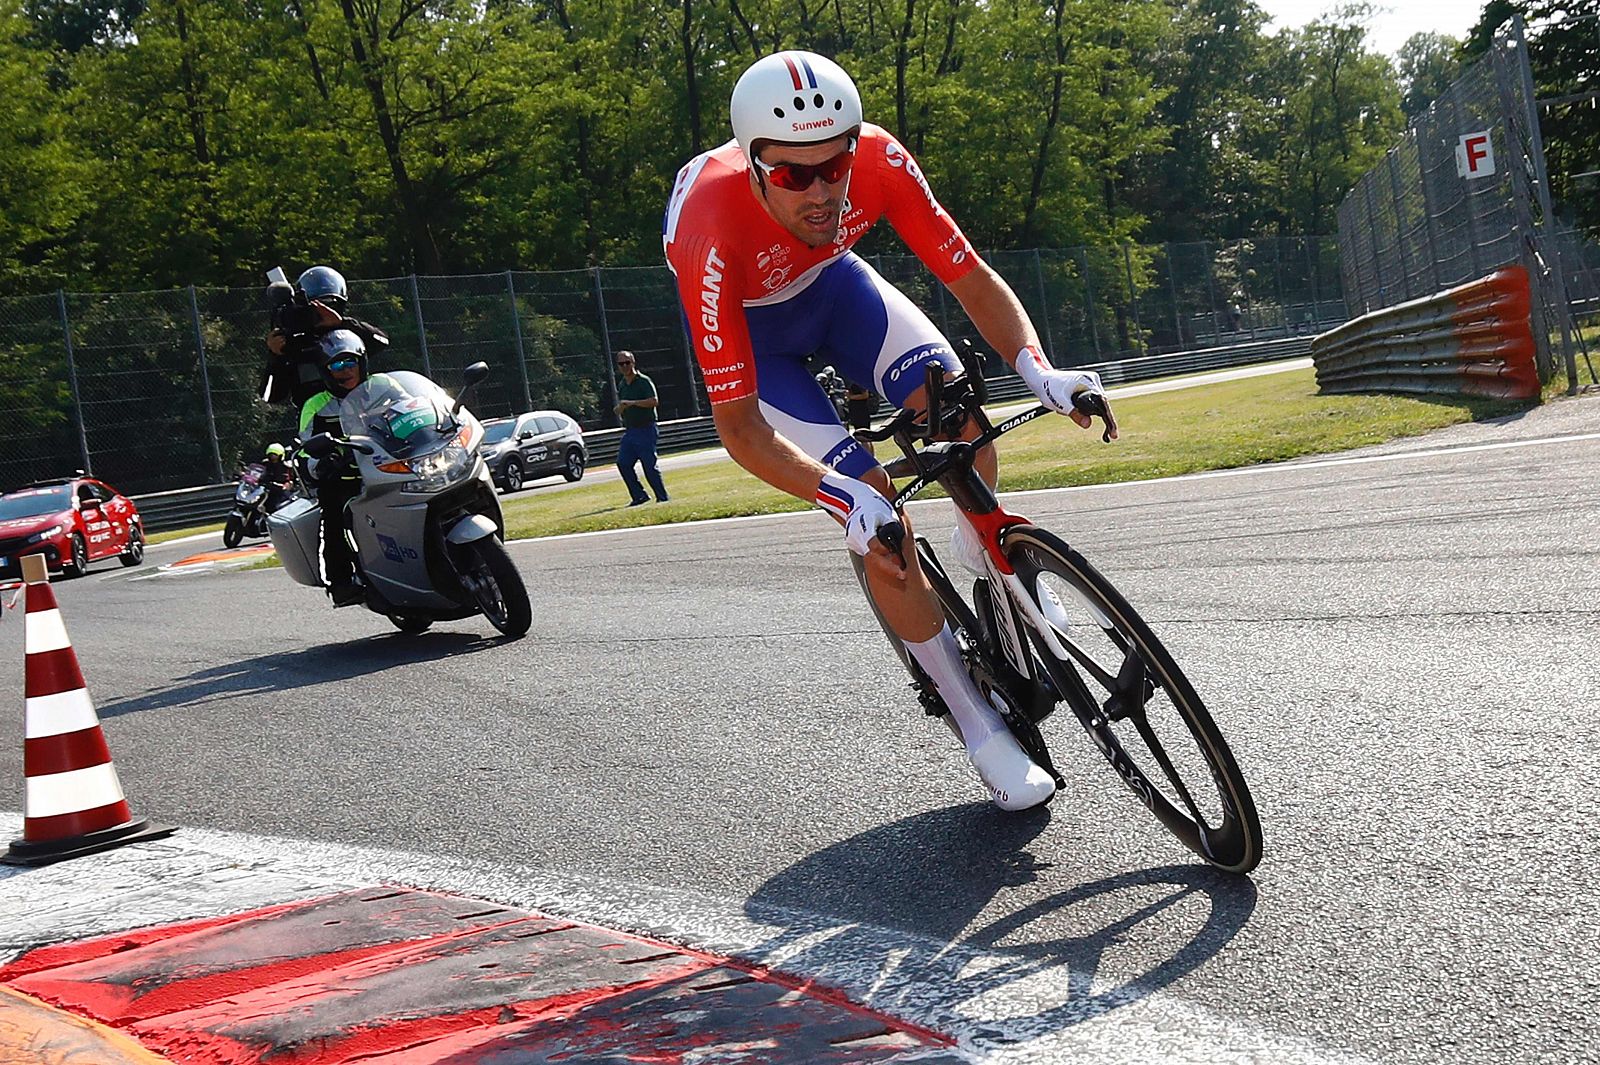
x=758 y=233
x=636 y=406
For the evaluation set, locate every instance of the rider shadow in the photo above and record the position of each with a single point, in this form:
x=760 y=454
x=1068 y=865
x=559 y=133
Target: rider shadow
x=933 y=875
x=284 y=670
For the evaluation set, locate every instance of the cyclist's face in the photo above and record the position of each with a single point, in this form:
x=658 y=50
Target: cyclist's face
x=812 y=215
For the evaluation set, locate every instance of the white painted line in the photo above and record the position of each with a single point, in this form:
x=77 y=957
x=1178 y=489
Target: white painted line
x=213 y=534
x=73 y=791
x=57 y=715
x=45 y=632
x=1242 y=471
x=1005 y=1008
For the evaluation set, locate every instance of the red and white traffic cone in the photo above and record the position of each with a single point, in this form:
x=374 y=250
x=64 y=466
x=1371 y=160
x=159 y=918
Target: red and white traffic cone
x=73 y=802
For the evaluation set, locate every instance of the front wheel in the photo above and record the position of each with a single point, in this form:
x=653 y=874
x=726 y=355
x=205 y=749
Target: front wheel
x=511 y=474
x=496 y=585
x=134 y=553
x=232 y=531
x=78 y=564
x=572 y=469
x=1137 y=705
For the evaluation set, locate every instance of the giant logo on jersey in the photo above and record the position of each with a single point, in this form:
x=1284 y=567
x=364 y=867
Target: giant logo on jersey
x=898 y=157
x=916 y=357
x=710 y=297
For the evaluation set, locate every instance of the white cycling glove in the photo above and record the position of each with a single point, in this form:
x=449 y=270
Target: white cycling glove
x=1055 y=388
x=859 y=505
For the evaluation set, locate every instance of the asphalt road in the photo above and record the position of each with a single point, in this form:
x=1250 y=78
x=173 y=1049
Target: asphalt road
x=1399 y=647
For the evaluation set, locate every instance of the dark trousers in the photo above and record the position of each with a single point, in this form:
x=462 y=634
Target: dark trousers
x=639 y=445
x=333 y=496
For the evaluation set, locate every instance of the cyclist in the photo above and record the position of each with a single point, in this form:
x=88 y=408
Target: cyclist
x=758 y=234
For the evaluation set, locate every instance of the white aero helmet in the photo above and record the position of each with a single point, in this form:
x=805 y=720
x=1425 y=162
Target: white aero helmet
x=794 y=97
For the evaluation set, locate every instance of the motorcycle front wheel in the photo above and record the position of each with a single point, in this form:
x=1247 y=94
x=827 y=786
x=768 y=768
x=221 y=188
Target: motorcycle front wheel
x=496 y=586
x=232 y=532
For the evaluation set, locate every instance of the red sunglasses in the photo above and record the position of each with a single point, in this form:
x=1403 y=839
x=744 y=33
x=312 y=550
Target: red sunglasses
x=797 y=177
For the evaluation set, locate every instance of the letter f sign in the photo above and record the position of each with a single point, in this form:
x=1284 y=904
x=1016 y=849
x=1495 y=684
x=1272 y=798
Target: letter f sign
x=1475 y=155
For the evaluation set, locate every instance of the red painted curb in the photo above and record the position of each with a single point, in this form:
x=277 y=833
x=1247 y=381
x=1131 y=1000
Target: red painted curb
x=400 y=976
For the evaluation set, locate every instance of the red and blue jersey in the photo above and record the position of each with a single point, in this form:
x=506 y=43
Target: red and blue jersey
x=728 y=254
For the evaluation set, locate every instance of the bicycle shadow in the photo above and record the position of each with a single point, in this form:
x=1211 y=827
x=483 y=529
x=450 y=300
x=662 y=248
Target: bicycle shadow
x=935 y=874
x=286 y=670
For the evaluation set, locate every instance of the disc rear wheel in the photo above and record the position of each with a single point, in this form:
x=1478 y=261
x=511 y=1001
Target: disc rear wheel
x=1137 y=705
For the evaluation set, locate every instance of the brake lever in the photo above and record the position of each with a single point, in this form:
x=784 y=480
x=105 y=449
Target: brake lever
x=1094 y=405
x=892 y=535
x=935 y=393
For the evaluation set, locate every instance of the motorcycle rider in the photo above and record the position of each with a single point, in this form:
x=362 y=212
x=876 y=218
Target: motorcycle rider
x=341 y=365
x=277 y=476
x=316 y=305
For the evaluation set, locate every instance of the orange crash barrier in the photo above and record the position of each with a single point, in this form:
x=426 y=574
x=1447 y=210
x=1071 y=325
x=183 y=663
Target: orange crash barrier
x=1475 y=339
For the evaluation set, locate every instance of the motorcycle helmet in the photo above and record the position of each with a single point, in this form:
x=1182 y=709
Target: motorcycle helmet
x=275 y=451
x=793 y=97
x=325 y=285
x=335 y=346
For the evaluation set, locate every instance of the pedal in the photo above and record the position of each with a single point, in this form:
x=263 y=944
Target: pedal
x=932 y=703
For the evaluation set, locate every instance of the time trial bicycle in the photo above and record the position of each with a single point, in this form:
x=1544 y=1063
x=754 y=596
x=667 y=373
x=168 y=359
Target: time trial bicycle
x=1044 y=627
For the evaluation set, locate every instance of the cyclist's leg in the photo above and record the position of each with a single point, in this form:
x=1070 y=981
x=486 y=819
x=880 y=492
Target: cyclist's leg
x=898 y=366
x=877 y=334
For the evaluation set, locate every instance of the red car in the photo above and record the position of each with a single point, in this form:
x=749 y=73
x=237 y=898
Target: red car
x=72 y=522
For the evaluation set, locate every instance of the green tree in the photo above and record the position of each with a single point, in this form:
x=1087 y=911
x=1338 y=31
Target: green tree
x=1564 y=54
x=1337 y=108
x=41 y=177
x=1428 y=63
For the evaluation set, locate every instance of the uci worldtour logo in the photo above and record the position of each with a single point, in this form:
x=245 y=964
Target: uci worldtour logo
x=916 y=357
x=773 y=264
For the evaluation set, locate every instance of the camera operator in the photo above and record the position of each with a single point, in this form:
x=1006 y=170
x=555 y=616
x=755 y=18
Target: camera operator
x=302 y=315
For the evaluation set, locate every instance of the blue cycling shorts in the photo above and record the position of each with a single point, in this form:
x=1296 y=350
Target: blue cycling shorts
x=863 y=327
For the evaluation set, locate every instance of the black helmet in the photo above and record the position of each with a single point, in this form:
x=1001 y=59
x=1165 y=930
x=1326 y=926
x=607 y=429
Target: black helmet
x=334 y=345
x=324 y=284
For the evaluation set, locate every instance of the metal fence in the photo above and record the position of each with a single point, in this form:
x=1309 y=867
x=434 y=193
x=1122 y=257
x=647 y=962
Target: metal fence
x=1464 y=192
x=153 y=391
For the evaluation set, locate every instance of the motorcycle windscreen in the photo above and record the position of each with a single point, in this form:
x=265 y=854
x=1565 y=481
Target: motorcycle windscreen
x=404 y=413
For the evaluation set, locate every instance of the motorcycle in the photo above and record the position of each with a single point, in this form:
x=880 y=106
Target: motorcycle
x=249 y=514
x=426 y=528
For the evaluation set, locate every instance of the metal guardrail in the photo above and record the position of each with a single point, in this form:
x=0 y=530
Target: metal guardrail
x=185 y=508
x=1475 y=339
x=199 y=506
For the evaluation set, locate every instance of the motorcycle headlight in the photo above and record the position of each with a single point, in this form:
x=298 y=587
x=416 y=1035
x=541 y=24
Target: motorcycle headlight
x=251 y=493
x=436 y=471
x=46 y=534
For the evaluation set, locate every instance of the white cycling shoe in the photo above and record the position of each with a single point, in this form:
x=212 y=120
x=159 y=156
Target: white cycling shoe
x=1013 y=780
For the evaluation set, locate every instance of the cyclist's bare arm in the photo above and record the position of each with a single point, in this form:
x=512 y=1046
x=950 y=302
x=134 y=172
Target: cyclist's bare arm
x=1000 y=318
x=755 y=445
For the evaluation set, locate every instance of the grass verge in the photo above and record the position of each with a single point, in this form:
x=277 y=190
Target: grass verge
x=1236 y=423
x=178 y=534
